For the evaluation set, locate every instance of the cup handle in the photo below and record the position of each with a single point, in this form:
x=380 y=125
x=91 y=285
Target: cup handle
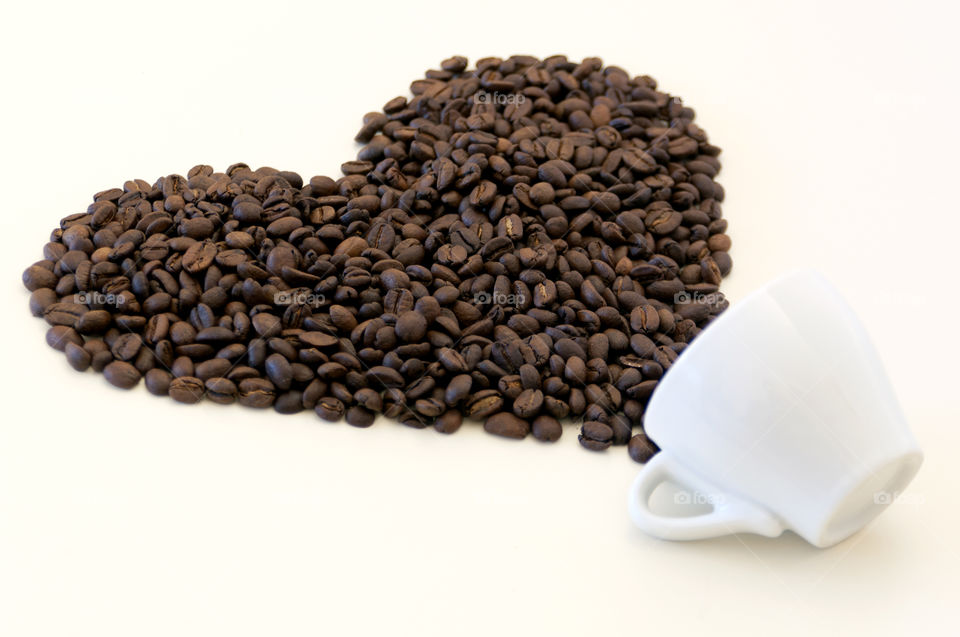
x=729 y=515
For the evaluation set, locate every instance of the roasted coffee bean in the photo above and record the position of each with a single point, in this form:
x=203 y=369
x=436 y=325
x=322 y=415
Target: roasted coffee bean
x=382 y=377
x=100 y=360
x=289 y=402
x=528 y=403
x=507 y=425
x=664 y=356
x=555 y=407
x=94 y=322
x=158 y=381
x=279 y=371
x=266 y=325
x=37 y=277
x=256 y=392
x=126 y=347
x=546 y=428
x=429 y=407
x=359 y=416
x=596 y=436
x=484 y=403
x=77 y=356
x=645 y=319
x=121 y=374
x=368 y=398
x=458 y=389
x=330 y=409
x=221 y=390
x=411 y=326
x=510 y=385
x=64 y=314
x=452 y=360
x=318 y=339
x=641 y=448
x=59 y=335
x=186 y=389
x=449 y=421
x=620 y=424
x=213 y=368
x=41 y=299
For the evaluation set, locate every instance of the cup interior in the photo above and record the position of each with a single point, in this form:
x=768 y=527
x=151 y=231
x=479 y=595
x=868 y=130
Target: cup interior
x=868 y=498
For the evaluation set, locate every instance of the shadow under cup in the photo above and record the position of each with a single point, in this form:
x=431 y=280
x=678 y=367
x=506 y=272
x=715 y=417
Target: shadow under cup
x=781 y=410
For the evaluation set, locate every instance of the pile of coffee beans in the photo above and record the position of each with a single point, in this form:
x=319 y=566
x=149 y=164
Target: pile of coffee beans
x=525 y=243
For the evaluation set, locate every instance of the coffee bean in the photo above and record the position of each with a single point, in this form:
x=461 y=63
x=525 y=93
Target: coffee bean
x=360 y=416
x=221 y=390
x=94 y=322
x=256 y=392
x=596 y=436
x=368 y=398
x=126 y=347
x=37 y=277
x=622 y=430
x=64 y=314
x=279 y=371
x=546 y=428
x=641 y=448
x=507 y=425
x=330 y=409
x=382 y=376
x=59 y=335
x=186 y=389
x=484 y=403
x=645 y=319
x=213 y=368
x=429 y=407
x=158 y=381
x=266 y=325
x=528 y=403
x=78 y=357
x=41 y=299
x=121 y=374
x=448 y=422
x=289 y=402
x=452 y=360
x=411 y=326
x=318 y=339
x=458 y=389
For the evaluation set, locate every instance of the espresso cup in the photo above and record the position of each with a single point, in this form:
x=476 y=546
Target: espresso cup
x=780 y=416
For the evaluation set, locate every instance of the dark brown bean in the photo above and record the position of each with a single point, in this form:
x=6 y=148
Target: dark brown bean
x=121 y=374
x=186 y=389
x=507 y=425
x=546 y=428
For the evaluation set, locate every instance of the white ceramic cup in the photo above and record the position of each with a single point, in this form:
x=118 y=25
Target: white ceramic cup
x=780 y=416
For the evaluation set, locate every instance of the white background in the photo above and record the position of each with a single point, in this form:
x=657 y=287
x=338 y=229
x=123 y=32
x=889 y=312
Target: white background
x=124 y=514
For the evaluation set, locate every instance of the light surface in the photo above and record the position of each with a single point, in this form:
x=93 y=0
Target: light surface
x=124 y=514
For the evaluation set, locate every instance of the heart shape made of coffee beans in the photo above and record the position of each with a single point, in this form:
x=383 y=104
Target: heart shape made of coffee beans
x=526 y=243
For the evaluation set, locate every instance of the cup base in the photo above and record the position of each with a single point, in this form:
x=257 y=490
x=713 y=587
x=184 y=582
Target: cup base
x=869 y=498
